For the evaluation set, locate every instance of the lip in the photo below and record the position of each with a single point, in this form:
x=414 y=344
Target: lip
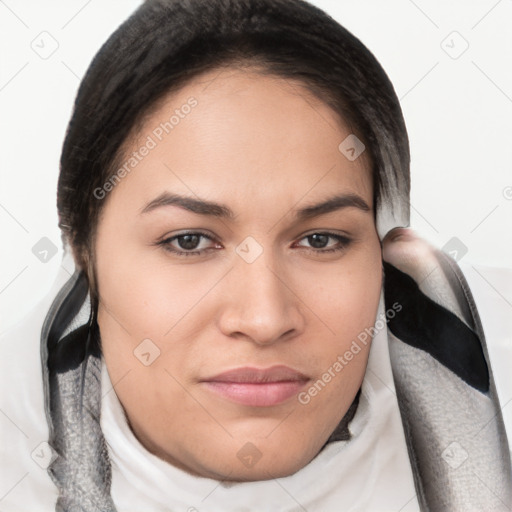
x=257 y=387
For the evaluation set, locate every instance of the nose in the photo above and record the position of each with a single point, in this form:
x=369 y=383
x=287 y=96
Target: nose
x=260 y=303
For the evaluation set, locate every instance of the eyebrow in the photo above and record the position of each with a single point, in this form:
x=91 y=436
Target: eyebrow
x=203 y=207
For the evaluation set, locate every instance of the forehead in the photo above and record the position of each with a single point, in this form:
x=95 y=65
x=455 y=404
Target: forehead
x=234 y=132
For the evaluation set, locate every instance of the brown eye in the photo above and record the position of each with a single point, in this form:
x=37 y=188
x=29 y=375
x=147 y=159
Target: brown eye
x=325 y=242
x=318 y=240
x=190 y=244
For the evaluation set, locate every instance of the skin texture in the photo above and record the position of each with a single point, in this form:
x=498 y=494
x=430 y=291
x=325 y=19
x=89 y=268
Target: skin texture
x=264 y=147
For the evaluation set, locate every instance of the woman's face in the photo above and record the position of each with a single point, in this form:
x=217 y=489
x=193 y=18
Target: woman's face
x=237 y=238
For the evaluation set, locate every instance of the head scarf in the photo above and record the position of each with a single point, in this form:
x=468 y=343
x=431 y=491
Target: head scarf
x=445 y=389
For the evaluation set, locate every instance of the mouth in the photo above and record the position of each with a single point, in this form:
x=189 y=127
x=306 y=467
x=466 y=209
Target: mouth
x=257 y=387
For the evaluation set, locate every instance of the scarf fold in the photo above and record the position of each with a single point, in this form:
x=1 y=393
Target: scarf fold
x=72 y=384
x=446 y=394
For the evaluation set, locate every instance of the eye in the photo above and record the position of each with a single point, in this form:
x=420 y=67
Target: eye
x=189 y=243
x=196 y=243
x=319 y=242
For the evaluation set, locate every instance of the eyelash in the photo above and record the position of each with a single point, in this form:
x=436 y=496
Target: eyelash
x=343 y=241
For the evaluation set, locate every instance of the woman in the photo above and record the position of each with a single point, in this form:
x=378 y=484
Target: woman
x=231 y=338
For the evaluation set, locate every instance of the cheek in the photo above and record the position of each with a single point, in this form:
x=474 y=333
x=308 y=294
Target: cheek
x=146 y=297
x=347 y=305
x=348 y=298
x=141 y=299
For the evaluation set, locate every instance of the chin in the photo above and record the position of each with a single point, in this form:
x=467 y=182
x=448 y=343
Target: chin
x=256 y=461
x=256 y=471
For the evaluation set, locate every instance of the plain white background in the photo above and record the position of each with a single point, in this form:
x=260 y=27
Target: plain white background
x=449 y=62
